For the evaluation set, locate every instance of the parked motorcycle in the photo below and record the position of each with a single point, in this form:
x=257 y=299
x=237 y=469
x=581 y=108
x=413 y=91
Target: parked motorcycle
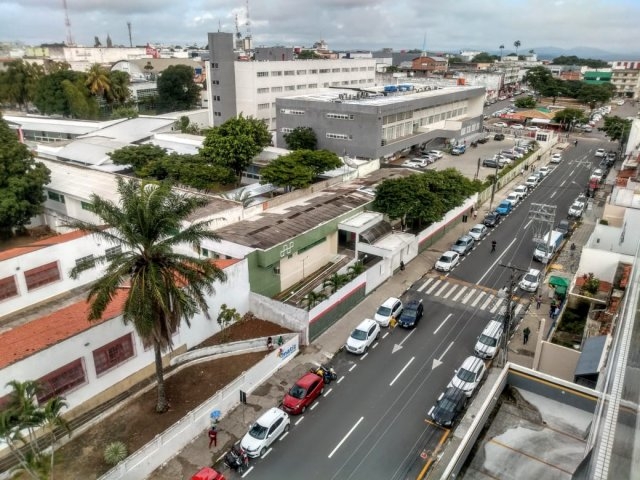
x=236 y=458
x=327 y=373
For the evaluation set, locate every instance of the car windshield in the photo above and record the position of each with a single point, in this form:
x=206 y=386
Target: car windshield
x=445 y=259
x=489 y=341
x=466 y=375
x=447 y=405
x=461 y=243
x=384 y=311
x=529 y=277
x=409 y=312
x=359 y=334
x=258 y=431
x=297 y=391
x=477 y=230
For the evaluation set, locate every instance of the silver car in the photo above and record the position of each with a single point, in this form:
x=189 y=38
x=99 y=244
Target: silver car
x=463 y=245
x=478 y=232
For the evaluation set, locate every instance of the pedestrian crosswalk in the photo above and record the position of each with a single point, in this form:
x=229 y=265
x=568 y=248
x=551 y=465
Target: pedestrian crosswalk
x=469 y=295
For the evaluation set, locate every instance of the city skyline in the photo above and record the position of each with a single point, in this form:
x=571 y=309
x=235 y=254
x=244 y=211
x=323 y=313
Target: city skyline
x=343 y=24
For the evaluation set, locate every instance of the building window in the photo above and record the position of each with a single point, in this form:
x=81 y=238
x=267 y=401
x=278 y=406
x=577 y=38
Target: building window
x=276 y=89
x=86 y=206
x=217 y=114
x=288 y=88
x=263 y=74
x=301 y=72
x=313 y=71
x=61 y=380
x=335 y=70
x=42 y=275
x=113 y=252
x=113 y=354
x=85 y=263
x=276 y=74
x=8 y=287
x=263 y=90
x=214 y=65
x=325 y=70
x=345 y=70
x=263 y=106
x=288 y=73
x=56 y=197
x=312 y=85
x=340 y=116
x=216 y=98
x=301 y=87
x=286 y=130
x=215 y=82
x=288 y=111
x=339 y=136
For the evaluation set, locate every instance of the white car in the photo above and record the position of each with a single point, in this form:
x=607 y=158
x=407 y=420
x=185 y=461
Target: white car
x=577 y=209
x=556 y=158
x=521 y=190
x=447 y=261
x=513 y=198
x=469 y=375
x=273 y=423
x=601 y=152
x=416 y=163
x=531 y=280
x=517 y=126
x=392 y=307
x=478 y=232
x=500 y=124
x=363 y=336
x=532 y=182
x=435 y=153
x=545 y=170
x=532 y=128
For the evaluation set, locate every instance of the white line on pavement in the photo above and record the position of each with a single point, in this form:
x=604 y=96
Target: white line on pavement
x=267 y=453
x=469 y=295
x=375 y=345
x=299 y=420
x=345 y=437
x=423 y=286
x=364 y=356
x=486 y=304
x=313 y=406
x=405 y=338
x=247 y=472
x=450 y=291
x=563 y=182
x=401 y=371
x=328 y=392
x=282 y=436
x=340 y=379
x=446 y=350
x=459 y=294
x=497 y=260
x=527 y=225
x=433 y=287
x=478 y=298
x=441 y=289
x=442 y=324
x=353 y=366
x=553 y=195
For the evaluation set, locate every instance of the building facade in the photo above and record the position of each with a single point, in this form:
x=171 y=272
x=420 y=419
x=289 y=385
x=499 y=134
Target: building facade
x=379 y=125
x=626 y=78
x=429 y=65
x=252 y=87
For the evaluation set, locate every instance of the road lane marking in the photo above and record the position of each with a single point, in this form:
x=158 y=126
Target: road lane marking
x=299 y=420
x=478 y=298
x=553 y=195
x=423 y=286
x=375 y=345
x=495 y=307
x=340 y=379
x=469 y=295
x=459 y=294
x=439 y=292
x=563 y=182
x=286 y=433
x=267 y=453
x=518 y=308
x=433 y=287
x=247 y=472
x=442 y=324
x=527 y=225
x=328 y=392
x=385 y=335
x=401 y=371
x=345 y=437
x=497 y=260
x=353 y=366
x=486 y=304
x=364 y=356
x=313 y=406
x=438 y=361
x=571 y=173
x=451 y=290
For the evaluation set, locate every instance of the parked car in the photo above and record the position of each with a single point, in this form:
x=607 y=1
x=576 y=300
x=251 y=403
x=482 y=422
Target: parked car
x=484 y=139
x=448 y=406
x=576 y=209
x=504 y=208
x=564 y=227
x=308 y=387
x=392 y=307
x=556 y=158
x=601 y=152
x=478 y=232
x=491 y=163
x=447 y=261
x=363 y=336
x=532 y=128
x=435 y=153
x=521 y=190
x=498 y=136
x=266 y=430
x=517 y=126
x=415 y=163
x=469 y=375
x=463 y=245
x=513 y=198
x=458 y=150
x=411 y=314
x=492 y=219
x=531 y=280
x=544 y=171
x=500 y=125
x=532 y=182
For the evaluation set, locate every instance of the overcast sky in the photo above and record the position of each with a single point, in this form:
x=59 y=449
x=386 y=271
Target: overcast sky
x=449 y=25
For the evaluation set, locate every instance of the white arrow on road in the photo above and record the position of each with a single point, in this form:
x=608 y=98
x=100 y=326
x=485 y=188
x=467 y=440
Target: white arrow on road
x=438 y=361
x=398 y=346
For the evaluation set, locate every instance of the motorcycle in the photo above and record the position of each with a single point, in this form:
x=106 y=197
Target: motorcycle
x=236 y=458
x=327 y=373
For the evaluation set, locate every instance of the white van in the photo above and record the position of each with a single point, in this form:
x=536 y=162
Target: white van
x=489 y=340
x=547 y=248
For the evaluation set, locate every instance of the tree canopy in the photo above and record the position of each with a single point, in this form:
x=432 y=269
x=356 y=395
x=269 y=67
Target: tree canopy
x=299 y=168
x=569 y=116
x=423 y=198
x=22 y=182
x=484 y=57
x=163 y=287
x=64 y=93
x=538 y=77
x=616 y=128
x=235 y=143
x=594 y=95
x=301 y=138
x=18 y=83
x=177 y=90
x=525 y=102
x=573 y=60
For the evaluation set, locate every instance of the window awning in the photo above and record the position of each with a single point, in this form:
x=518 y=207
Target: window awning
x=558 y=282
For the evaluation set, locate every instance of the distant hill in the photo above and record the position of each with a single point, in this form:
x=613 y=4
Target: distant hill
x=548 y=53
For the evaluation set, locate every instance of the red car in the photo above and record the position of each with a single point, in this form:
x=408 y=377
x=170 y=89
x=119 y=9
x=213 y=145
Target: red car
x=303 y=393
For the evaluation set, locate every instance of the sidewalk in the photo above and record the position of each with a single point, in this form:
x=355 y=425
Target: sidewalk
x=232 y=427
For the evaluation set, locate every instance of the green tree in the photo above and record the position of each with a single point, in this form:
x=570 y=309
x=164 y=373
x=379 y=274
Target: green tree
x=319 y=161
x=554 y=88
x=354 y=270
x=123 y=112
x=22 y=182
x=484 y=57
x=569 y=116
x=538 y=78
x=594 y=95
x=573 y=60
x=525 y=102
x=138 y=156
x=335 y=282
x=235 y=143
x=301 y=138
x=185 y=126
x=98 y=81
x=308 y=55
x=517 y=45
x=616 y=128
x=286 y=172
x=162 y=287
x=194 y=171
x=119 y=92
x=226 y=317
x=312 y=298
x=80 y=104
x=177 y=90
x=18 y=83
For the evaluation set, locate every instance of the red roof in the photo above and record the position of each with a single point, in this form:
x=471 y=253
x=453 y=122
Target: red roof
x=41 y=333
x=44 y=243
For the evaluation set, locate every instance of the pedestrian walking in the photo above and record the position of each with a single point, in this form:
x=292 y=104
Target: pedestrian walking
x=475 y=213
x=525 y=335
x=213 y=437
x=556 y=313
x=538 y=302
x=493 y=246
x=392 y=323
x=401 y=266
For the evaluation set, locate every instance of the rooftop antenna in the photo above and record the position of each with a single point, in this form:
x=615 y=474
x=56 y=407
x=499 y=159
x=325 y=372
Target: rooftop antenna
x=248 y=24
x=219 y=26
x=67 y=23
x=424 y=45
x=129 y=28
x=238 y=34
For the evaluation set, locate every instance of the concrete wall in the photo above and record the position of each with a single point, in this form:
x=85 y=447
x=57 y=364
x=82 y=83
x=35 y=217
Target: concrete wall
x=288 y=316
x=558 y=361
x=601 y=263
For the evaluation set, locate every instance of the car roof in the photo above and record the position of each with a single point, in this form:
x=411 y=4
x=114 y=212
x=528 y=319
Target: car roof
x=270 y=415
x=466 y=237
x=478 y=225
x=389 y=302
x=534 y=271
x=307 y=379
x=365 y=324
x=472 y=363
x=449 y=253
x=413 y=303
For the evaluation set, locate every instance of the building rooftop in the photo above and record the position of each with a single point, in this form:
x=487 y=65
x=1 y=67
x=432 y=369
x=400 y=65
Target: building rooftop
x=58 y=125
x=133 y=130
x=40 y=244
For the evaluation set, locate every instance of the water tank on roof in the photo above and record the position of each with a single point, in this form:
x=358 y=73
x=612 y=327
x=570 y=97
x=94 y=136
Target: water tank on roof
x=390 y=88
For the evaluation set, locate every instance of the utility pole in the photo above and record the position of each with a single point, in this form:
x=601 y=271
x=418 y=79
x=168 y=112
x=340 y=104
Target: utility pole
x=543 y=217
x=508 y=317
x=493 y=187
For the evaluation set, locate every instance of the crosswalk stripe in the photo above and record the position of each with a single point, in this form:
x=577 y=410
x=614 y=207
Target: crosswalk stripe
x=518 y=308
x=433 y=287
x=459 y=294
x=439 y=292
x=451 y=290
x=422 y=287
x=478 y=298
x=469 y=295
x=495 y=307
x=486 y=304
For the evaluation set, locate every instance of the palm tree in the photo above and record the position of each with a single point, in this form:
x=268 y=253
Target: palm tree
x=517 y=45
x=335 y=282
x=52 y=419
x=119 y=87
x=163 y=287
x=98 y=80
x=313 y=298
x=356 y=269
x=501 y=47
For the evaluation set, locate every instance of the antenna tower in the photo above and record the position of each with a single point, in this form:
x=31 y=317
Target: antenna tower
x=130 y=41
x=67 y=23
x=248 y=24
x=238 y=34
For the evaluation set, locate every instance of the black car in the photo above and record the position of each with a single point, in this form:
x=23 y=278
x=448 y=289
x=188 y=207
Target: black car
x=490 y=162
x=484 y=139
x=498 y=136
x=449 y=405
x=564 y=227
x=492 y=219
x=411 y=314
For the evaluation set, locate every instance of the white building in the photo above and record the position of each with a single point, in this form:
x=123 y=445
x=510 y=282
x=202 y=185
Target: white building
x=251 y=88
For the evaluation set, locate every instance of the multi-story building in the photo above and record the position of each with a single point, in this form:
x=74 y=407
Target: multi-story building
x=428 y=65
x=626 y=78
x=597 y=77
x=379 y=124
x=251 y=87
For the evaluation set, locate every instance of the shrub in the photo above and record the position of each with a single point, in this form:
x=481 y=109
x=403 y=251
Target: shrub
x=115 y=452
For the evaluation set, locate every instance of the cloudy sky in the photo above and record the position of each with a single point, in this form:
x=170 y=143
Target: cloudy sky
x=610 y=25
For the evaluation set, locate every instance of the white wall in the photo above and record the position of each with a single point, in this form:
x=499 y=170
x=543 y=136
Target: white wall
x=601 y=263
